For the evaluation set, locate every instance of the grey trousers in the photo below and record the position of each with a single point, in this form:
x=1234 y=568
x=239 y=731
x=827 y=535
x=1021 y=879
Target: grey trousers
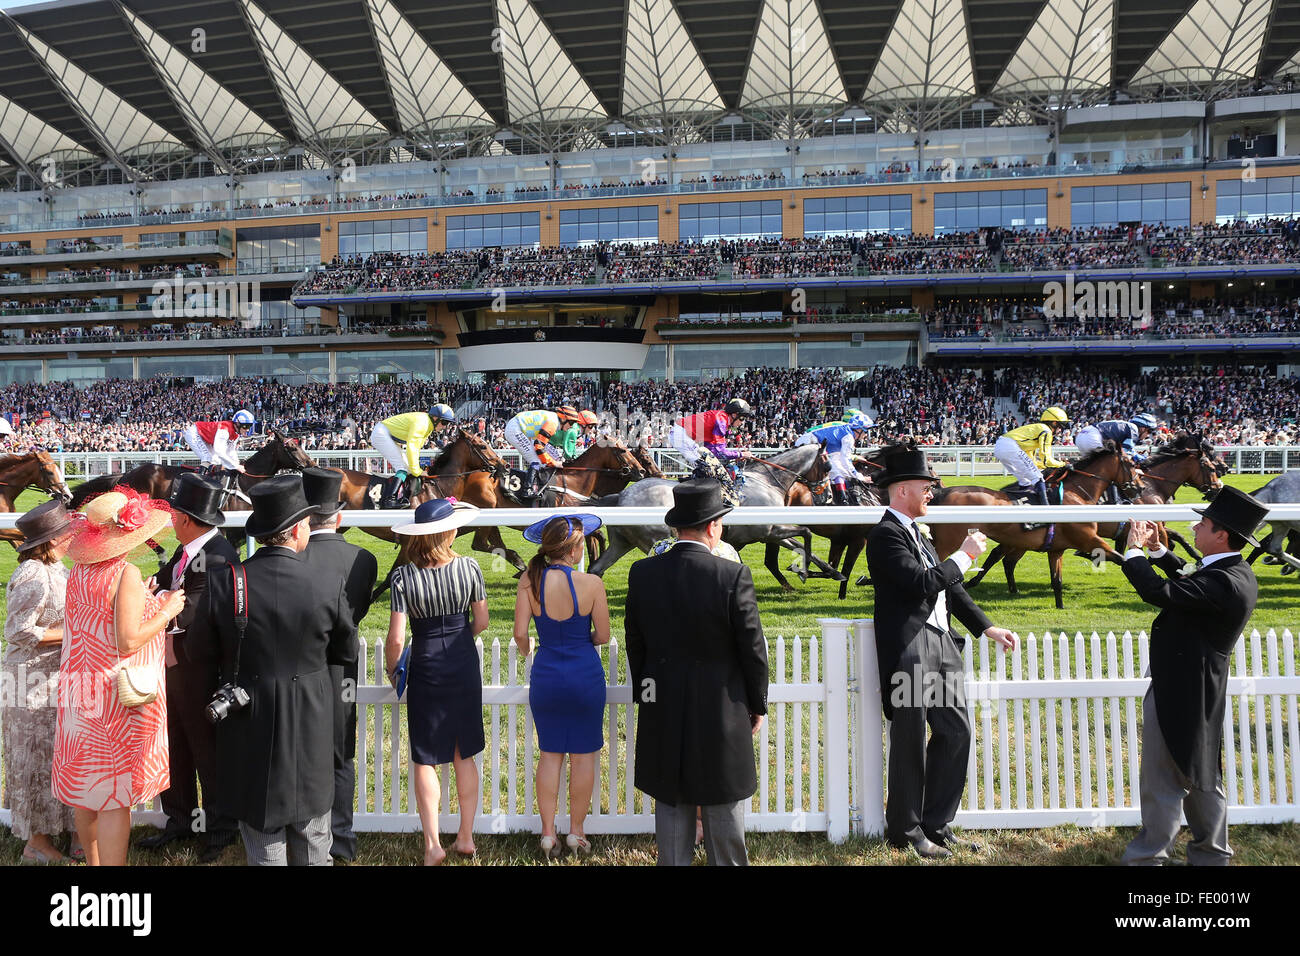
x=926 y=778
x=724 y=833
x=299 y=844
x=1165 y=792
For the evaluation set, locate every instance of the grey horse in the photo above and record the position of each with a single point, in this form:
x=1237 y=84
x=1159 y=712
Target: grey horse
x=1284 y=489
x=768 y=483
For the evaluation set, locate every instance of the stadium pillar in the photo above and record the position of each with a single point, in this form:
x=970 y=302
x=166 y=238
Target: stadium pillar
x=135 y=367
x=668 y=231
x=922 y=299
x=1201 y=290
x=1281 y=136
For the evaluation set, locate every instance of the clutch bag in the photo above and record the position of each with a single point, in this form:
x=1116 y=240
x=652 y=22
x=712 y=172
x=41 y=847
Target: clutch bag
x=137 y=685
x=399 y=673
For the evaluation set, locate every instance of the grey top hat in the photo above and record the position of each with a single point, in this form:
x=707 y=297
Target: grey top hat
x=278 y=503
x=44 y=523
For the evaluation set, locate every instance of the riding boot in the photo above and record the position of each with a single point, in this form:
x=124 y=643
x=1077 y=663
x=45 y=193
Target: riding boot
x=851 y=496
x=532 y=488
x=837 y=494
x=393 y=497
x=1037 y=496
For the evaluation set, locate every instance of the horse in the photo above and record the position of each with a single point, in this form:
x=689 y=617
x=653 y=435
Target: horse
x=1188 y=460
x=604 y=468
x=767 y=483
x=277 y=454
x=1284 y=489
x=1082 y=483
x=33 y=469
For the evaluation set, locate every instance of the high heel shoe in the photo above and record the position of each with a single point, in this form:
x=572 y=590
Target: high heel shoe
x=578 y=845
x=550 y=847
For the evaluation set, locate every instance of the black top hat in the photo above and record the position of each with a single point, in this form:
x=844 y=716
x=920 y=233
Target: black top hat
x=695 y=503
x=278 y=503
x=321 y=486
x=199 y=498
x=43 y=523
x=1237 y=511
x=907 y=464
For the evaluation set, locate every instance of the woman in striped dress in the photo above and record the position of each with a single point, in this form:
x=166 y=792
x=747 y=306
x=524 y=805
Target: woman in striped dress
x=445 y=599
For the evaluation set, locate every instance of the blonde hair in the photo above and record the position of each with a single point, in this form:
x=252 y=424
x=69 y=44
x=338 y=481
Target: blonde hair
x=426 y=550
x=560 y=536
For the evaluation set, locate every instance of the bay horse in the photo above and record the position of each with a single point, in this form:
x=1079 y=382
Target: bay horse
x=1188 y=460
x=604 y=468
x=767 y=482
x=33 y=469
x=1082 y=483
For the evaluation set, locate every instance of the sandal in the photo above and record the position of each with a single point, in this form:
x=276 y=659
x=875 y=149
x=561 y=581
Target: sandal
x=34 y=857
x=578 y=845
x=78 y=854
x=550 y=848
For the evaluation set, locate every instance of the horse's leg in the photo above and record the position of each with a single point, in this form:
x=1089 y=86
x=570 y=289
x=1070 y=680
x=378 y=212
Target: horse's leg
x=770 y=552
x=851 y=552
x=1010 y=558
x=1055 y=562
x=489 y=541
x=991 y=561
x=782 y=538
x=1261 y=549
x=619 y=545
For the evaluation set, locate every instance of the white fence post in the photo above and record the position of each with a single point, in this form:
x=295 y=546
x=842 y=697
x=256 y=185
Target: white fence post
x=835 y=660
x=868 y=731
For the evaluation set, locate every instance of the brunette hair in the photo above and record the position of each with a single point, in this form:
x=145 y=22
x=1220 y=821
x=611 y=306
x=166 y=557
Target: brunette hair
x=559 y=535
x=43 y=553
x=426 y=550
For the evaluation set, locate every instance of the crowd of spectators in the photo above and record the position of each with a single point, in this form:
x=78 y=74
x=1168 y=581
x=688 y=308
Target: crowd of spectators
x=933 y=406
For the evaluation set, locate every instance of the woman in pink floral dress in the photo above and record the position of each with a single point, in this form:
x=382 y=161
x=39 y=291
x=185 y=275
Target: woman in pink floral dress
x=109 y=757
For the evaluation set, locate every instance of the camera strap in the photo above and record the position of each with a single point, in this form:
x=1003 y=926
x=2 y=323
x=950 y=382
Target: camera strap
x=240 y=579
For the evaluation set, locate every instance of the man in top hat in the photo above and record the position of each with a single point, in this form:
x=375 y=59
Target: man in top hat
x=335 y=557
x=192 y=670
x=1201 y=616
x=698 y=663
x=275 y=754
x=919 y=656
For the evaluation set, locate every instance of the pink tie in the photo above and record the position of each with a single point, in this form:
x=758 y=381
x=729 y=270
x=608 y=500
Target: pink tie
x=180 y=568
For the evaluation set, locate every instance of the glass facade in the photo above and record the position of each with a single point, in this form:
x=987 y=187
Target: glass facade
x=1005 y=208
x=383 y=235
x=369 y=367
x=16 y=372
x=494 y=229
x=857 y=215
x=163 y=240
x=89 y=369
x=716 y=361
x=294 y=368
x=1154 y=203
x=278 y=248
x=1276 y=196
x=730 y=220
x=845 y=353
x=608 y=223
x=174 y=366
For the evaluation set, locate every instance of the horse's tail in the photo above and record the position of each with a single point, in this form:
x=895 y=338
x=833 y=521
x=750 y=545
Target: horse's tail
x=92 y=488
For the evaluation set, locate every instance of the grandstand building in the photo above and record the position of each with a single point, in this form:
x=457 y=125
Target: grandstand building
x=179 y=178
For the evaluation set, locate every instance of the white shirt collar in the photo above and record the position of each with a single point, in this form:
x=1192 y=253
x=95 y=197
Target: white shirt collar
x=322 y=531
x=905 y=519
x=195 y=546
x=698 y=544
x=1209 y=559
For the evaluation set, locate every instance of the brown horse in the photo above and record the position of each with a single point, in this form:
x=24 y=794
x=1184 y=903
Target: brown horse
x=1188 y=460
x=604 y=468
x=1082 y=483
x=34 y=469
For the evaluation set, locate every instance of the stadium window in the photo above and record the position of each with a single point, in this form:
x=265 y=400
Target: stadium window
x=857 y=215
x=495 y=229
x=730 y=220
x=1152 y=203
x=608 y=224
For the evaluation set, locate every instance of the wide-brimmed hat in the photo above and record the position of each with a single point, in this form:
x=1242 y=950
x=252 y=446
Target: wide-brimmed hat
x=696 y=502
x=590 y=525
x=1237 y=511
x=321 y=486
x=117 y=522
x=440 y=514
x=906 y=464
x=278 y=503
x=199 y=498
x=44 y=523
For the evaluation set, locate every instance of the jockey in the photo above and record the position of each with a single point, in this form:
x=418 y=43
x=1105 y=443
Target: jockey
x=840 y=437
x=531 y=433
x=705 y=433
x=1125 y=435
x=216 y=443
x=400 y=439
x=564 y=443
x=1027 y=450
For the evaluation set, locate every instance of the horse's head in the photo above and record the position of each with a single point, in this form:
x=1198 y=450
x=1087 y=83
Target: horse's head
x=1127 y=477
x=475 y=454
x=613 y=454
x=642 y=456
x=50 y=476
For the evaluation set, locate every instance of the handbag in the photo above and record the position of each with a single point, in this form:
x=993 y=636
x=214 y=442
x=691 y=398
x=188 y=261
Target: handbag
x=136 y=685
x=400 y=672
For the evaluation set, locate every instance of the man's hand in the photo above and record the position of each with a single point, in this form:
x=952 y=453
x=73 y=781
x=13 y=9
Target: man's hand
x=1141 y=534
x=1004 y=637
x=975 y=543
x=755 y=723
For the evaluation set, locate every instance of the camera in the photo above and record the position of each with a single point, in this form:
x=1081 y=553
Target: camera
x=228 y=699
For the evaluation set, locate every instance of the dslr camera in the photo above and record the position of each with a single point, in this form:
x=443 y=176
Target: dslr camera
x=228 y=699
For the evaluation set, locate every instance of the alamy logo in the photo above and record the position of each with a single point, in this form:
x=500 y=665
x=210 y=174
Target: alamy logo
x=77 y=909
x=1092 y=300
x=212 y=298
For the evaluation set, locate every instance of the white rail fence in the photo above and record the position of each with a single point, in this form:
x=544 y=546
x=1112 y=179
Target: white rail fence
x=947 y=460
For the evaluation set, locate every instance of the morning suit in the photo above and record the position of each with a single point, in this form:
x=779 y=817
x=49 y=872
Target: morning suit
x=336 y=557
x=191 y=679
x=698 y=663
x=1201 y=617
x=276 y=755
x=921 y=679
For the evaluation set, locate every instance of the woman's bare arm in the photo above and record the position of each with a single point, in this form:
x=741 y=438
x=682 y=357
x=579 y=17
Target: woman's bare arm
x=128 y=606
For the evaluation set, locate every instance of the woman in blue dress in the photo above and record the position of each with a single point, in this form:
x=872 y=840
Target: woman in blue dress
x=445 y=599
x=567 y=683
